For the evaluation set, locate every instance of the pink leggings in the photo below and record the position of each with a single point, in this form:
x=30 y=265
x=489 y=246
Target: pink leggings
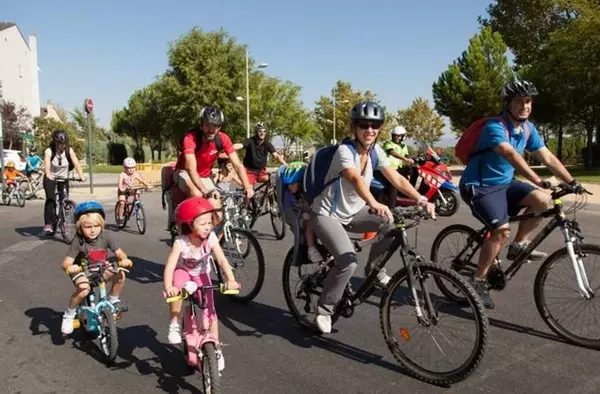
x=209 y=314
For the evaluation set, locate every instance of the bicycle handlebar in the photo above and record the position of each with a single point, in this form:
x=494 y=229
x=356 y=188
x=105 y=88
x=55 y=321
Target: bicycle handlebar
x=411 y=213
x=564 y=189
x=184 y=294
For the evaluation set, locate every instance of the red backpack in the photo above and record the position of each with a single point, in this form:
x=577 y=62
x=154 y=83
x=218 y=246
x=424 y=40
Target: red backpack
x=467 y=143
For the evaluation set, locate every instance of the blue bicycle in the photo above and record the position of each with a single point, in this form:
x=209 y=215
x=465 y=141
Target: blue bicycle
x=96 y=314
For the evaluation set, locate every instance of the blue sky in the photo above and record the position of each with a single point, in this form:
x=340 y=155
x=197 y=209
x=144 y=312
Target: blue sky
x=107 y=49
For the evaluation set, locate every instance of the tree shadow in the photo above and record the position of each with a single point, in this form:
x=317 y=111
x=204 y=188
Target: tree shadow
x=48 y=318
x=145 y=271
x=31 y=231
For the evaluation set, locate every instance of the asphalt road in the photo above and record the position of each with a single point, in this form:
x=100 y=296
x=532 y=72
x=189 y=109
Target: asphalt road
x=266 y=351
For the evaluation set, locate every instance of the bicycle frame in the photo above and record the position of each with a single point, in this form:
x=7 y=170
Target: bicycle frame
x=270 y=189
x=571 y=234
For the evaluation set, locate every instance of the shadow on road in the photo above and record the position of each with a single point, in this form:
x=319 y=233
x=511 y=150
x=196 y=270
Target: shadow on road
x=145 y=271
x=268 y=320
x=31 y=231
x=48 y=318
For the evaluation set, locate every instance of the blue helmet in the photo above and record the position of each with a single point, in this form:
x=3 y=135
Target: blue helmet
x=89 y=207
x=292 y=173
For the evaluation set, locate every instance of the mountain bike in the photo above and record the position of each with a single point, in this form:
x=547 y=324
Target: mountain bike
x=411 y=287
x=265 y=202
x=64 y=214
x=574 y=253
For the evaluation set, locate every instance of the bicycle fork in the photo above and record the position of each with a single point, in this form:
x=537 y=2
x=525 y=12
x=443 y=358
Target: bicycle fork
x=411 y=258
x=582 y=281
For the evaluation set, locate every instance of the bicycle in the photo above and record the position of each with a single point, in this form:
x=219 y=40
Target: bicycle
x=64 y=214
x=131 y=207
x=497 y=278
x=10 y=191
x=198 y=344
x=415 y=272
x=37 y=184
x=265 y=202
x=96 y=314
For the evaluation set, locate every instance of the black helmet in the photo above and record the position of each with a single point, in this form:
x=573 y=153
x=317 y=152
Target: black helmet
x=516 y=88
x=60 y=136
x=212 y=115
x=259 y=126
x=367 y=110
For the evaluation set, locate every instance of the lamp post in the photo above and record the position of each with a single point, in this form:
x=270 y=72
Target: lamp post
x=333 y=141
x=261 y=65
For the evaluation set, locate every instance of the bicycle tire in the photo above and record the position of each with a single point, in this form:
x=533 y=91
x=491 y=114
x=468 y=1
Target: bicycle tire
x=110 y=353
x=482 y=325
x=121 y=223
x=540 y=299
x=20 y=197
x=24 y=186
x=68 y=205
x=141 y=227
x=211 y=381
x=279 y=233
x=260 y=260
x=454 y=228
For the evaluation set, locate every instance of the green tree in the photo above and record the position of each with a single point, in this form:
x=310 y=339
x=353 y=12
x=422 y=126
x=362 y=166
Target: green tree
x=469 y=88
x=15 y=121
x=44 y=128
x=422 y=123
x=346 y=97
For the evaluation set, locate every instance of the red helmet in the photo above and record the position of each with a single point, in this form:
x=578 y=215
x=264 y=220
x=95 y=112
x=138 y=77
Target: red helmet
x=189 y=210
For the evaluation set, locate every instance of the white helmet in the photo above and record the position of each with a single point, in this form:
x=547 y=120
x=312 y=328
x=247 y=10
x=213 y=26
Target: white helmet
x=129 y=163
x=398 y=130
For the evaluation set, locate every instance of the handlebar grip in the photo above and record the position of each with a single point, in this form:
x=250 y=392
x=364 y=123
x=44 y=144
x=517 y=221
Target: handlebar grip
x=124 y=270
x=173 y=299
x=223 y=290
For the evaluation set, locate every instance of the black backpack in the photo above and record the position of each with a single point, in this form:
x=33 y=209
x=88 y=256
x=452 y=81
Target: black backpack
x=67 y=153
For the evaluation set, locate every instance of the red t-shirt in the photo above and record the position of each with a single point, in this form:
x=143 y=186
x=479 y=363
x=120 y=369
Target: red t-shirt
x=206 y=155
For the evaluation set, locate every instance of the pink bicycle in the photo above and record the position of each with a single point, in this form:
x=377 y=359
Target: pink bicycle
x=199 y=345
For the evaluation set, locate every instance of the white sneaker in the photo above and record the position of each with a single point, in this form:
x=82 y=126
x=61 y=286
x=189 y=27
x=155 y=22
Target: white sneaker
x=220 y=359
x=174 y=335
x=314 y=255
x=323 y=323
x=383 y=278
x=67 y=324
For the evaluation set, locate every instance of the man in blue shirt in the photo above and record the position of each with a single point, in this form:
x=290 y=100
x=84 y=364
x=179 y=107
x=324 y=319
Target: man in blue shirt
x=33 y=165
x=489 y=187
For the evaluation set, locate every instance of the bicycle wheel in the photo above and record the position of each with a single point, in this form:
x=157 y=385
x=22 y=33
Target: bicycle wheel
x=5 y=197
x=254 y=211
x=398 y=291
x=20 y=197
x=210 y=369
x=302 y=285
x=277 y=220
x=121 y=221
x=24 y=186
x=242 y=265
x=108 y=340
x=140 y=218
x=67 y=221
x=566 y=283
x=465 y=246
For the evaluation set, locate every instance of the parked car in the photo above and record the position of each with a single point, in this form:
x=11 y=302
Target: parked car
x=17 y=157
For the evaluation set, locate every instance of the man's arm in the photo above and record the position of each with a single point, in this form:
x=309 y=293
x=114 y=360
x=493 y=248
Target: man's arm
x=190 y=167
x=509 y=153
x=556 y=167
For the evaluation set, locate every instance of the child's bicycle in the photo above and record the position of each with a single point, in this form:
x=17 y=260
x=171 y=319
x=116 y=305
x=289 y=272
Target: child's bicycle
x=36 y=180
x=199 y=345
x=132 y=205
x=64 y=214
x=96 y=314
x=10 y=191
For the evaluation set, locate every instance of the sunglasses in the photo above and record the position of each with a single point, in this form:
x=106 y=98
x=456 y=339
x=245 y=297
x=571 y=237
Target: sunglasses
x=366 y=125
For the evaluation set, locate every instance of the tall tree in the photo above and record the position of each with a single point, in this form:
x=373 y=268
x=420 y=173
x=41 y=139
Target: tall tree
x=346 y=97
x=44 y=128
x=15 y=121
x=469 y=88
x=422 y=123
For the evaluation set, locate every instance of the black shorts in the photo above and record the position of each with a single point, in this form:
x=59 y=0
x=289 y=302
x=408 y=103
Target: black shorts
x=494 y=205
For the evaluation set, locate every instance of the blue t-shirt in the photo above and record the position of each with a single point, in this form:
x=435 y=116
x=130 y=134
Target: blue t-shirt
x=33 y=162
x=492 y=169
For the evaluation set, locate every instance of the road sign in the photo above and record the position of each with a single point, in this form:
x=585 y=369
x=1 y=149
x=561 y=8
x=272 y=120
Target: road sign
x=88 y=106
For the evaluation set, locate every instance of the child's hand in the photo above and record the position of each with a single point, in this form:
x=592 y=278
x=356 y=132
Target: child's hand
x=73 y=269
x=172 y=291
x=125 y=263
x=232 y=285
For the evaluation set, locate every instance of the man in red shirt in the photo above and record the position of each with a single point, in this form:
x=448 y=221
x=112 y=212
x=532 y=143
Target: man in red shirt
x=194 y=165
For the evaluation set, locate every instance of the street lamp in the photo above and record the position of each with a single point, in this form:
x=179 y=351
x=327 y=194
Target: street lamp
x=334 y=106
x=261 y=65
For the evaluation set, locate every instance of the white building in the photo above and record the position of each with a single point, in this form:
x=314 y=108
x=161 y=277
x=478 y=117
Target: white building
x=19 y=71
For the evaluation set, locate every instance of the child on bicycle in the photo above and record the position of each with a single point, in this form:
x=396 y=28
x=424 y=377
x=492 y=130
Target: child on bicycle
x=291 y=177
x=90 y=247
x=11 y=174
x=34 y=162
x=226 y=176
x=127 y=180
x=191 y=259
